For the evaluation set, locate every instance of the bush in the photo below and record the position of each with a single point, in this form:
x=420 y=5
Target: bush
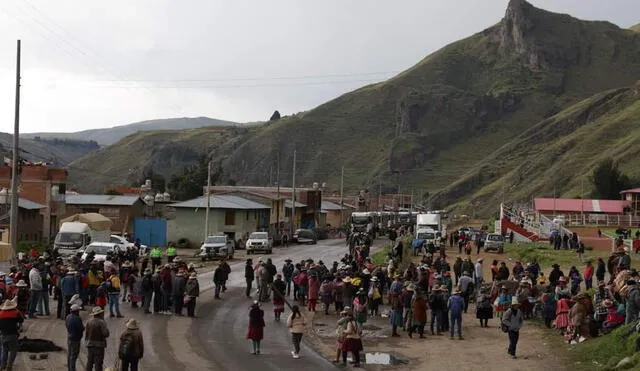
x=25 y=246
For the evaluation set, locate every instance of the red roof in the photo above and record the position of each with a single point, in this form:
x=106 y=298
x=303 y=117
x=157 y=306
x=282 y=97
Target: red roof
x=634 y=190
x=579 y=205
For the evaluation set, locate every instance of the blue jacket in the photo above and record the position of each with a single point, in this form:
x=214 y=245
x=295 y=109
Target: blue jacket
x=75 y=328
x=456 y=305
x=69 y=285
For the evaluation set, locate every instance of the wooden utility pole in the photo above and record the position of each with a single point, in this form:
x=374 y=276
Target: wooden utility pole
x=13 y=228
x=208 y=194
x=380 y=207
x=278 y=195
x=341 y=196
x=293 y=196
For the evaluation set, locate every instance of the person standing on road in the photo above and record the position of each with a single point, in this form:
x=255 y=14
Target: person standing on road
x=249 y=276
x=278 y=288
x=478 y=273
x=146 y=291
x=156 y=258
x=255 y=333
x=512 y=320
x=131 y=348
x=192 y=291
x=456 y=307
x=35 y=282
x=297 y=325
x=113 y=289
x=171 y=254
x=178 y=290
x=10 y=320
x=226 y=269
x=69 y=287
x=96 y=334
x=285 y=240
x=75 y=329
x=218 y=280
x=352 y=341
x=287 y=273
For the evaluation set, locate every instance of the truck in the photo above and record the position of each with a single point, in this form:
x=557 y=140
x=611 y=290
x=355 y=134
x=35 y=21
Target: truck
x=362 y=222
x=430 y=221
x=78 y=231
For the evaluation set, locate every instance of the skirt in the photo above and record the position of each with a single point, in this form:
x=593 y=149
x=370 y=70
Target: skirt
x=352 y=345
x=562 y=321
x=396 y=318
x=484 y=313
x=361 y=317
x=255 y=333
x=278 y=305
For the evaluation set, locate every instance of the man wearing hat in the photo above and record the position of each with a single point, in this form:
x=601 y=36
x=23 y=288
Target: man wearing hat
x=287 y=274
x=131 y=347
x=601 y=294
x=465 y=286
x=512 y=321
x=70 y=286
x=10 y=319
x=75 y=329
x=456 y=305
x=249 y=276
x=96 y=334
x=146 y=290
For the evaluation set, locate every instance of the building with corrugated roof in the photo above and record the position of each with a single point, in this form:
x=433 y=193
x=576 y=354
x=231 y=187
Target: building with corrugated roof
x=230 y=214
x=121 y=209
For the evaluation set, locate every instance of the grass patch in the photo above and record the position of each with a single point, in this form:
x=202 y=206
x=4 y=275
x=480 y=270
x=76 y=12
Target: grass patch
x=604 y=353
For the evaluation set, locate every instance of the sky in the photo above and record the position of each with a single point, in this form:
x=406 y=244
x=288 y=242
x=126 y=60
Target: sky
x=93 y=64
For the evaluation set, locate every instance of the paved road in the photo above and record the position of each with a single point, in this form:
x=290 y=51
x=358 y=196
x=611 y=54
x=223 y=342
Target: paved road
x=219 y=336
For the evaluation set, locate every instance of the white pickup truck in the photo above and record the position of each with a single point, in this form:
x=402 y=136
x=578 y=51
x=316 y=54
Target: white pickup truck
x=259 y=241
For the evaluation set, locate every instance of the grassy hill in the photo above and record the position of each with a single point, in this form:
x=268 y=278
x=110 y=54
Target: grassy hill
x=453 y=124
x=56 y=151
x=111 y=135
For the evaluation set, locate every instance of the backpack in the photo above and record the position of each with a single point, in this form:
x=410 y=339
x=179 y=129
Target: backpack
x=127 y=350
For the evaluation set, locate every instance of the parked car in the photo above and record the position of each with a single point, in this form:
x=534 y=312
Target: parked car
x=123 y=244
x=100 y=249
x=305 y=236
x=494 y=241
x=259 y=241
x=217 y=247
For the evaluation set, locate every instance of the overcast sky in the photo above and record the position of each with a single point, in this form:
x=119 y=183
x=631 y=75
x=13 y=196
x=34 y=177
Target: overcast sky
x=90 y=64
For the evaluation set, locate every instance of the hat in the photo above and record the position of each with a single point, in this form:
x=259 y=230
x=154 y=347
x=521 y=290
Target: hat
x=366 y=271
x=504 y=287
x=411 y=287
x=75 y=307
x=360 y=291
x=514 y=301
x=193 y=276
x=374 y=279
x=346 y=280
x=555 y=266
x=167 y=266
x=347 y=309
x=480 y=260
x=126 y=263
x=8 y=305
x=71 y=271
x=75 y=299
x=288 y=260
x=159 y=269
x=466 y=273
x=21 y=283
x=406 y=284
x=601 y=283
x=456 y=292
x=607 y=303
x=444 y=287
x=131 y=324
x=96 y=310
x=147 y=271
x=562 y=279
x=177 y=259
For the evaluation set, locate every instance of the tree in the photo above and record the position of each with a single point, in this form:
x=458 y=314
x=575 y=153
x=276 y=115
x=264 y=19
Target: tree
x=608 y=180
x=158 y=182
x=275 y=116
x=190 y=183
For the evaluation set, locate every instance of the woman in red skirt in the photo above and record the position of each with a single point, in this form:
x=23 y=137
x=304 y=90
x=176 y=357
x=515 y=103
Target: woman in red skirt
x=278 y=287
x=256 y=327
x=352 y=342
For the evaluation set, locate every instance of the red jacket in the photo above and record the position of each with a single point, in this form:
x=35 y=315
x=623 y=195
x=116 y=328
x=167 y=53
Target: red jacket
x=588 y=272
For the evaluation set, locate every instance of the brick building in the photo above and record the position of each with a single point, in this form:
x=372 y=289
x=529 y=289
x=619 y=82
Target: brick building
x=42 y=185
x=30 y=225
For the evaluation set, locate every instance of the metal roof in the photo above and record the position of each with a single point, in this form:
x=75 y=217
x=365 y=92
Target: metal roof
x=287 y=204
x=222 y=202
x=580 y=205
x=113 y=200
x=330 y=206
x=634 y=190
x=23 y=203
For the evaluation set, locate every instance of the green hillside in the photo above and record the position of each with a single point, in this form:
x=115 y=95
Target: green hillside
x=443 y=125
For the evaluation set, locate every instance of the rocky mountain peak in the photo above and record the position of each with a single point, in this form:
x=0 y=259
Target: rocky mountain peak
x=516 y=24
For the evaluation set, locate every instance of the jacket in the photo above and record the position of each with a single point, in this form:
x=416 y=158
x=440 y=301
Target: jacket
x=9 y=320
x=249 y=275
x=219 y=275
x=513 y=319
x=179 y=285
x=75 y=328
x=137 y=342
x=352 y=332
x=296 y=325
x=456 y=305
x=35 y=279
x=287 y=270
x=419 y=307
x=69 y=285
x=96 y=333
x=633 y=305
x=192 y=288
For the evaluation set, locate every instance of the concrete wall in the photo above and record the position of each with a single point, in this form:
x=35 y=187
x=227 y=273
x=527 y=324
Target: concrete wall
x=189 y=223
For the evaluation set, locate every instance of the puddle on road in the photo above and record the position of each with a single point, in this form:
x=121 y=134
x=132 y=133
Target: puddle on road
x=378 y=358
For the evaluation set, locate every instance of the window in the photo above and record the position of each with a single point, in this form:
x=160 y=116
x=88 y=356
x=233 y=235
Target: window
x=229 y=217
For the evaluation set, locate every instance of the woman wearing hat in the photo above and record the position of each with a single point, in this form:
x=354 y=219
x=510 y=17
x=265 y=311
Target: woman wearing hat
x=341 y=326
x=512 y=322
x=419 y=309
x=96 y=334
x=360 y=306
x=255 y=333
x=352 y=341
x=10 y=320
x=375 y=296
x=191 y=292
x=22 y=296
x=131 y=348
x=297 y=324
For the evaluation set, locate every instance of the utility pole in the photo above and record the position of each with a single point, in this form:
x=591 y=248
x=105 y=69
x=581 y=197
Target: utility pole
x=411 y=204
x=341 y=196
x=13 y=228
x=208 y=194
x=582 y=199
x=380 y=206
x=293 y=196
x=278 y=195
